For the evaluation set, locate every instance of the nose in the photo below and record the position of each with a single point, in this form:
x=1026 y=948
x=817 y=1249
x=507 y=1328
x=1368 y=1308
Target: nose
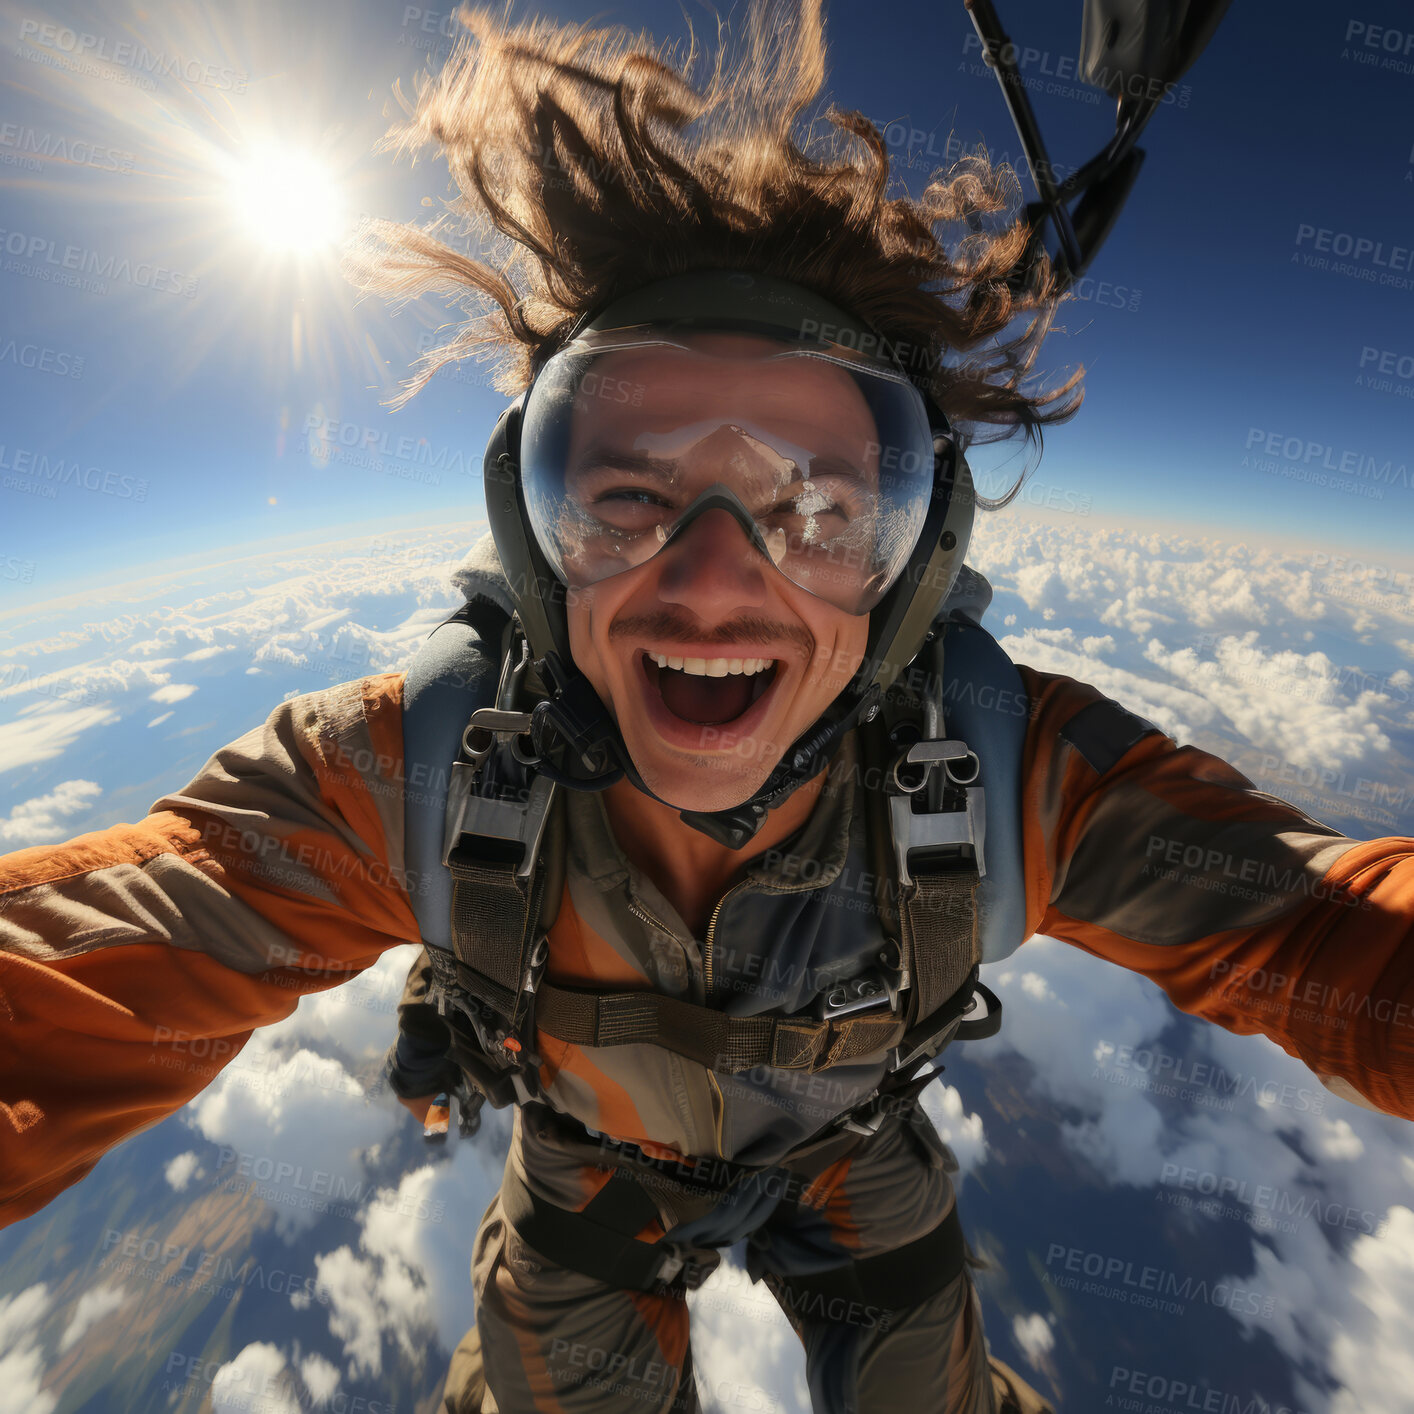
x=712 y=569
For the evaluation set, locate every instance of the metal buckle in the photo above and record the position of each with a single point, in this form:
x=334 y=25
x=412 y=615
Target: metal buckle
x=864 y=992
x=472 y=814
x=930 y=829
x=963 y=829
x=928 y=1047
x=867 y=1126
x=536 y=964
x=681 y=1268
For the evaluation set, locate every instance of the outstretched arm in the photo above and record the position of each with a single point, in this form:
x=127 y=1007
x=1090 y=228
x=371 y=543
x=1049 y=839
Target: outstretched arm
x=1244 y=909
x=136 y=961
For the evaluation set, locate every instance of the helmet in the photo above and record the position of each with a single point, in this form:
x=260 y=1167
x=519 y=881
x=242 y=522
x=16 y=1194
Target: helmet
x=576 y=738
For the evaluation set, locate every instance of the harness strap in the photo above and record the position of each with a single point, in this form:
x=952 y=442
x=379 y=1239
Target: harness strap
x=493 y=927
x=729 y=1044
x=600 y=1240
x=893 y=1281
x=938 y=921
x=499 y=915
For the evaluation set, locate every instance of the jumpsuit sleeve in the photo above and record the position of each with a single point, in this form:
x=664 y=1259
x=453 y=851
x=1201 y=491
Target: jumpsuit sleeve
x=417 y=1064
x=136 y=961
x=1245 y=910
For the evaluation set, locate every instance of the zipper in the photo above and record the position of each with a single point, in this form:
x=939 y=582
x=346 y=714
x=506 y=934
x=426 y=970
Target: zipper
x=645 y=915
x=718 y=1111
x=651 y=919
x=759 y=887
x=707 y=945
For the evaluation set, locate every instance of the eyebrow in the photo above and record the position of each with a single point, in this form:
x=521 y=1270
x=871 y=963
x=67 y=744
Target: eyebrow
x=598 y=456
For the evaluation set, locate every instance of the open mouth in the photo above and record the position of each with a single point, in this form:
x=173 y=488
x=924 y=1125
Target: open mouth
x=709 y=691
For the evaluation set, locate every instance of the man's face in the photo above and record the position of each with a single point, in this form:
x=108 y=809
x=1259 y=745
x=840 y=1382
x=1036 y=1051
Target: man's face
x=711 y=660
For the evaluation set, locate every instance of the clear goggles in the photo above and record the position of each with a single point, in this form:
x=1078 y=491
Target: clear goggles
x=822 y=455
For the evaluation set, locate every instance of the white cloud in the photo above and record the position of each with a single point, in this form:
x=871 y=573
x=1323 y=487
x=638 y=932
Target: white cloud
x=37 y=821
x=301 y=1111
x=21 y=1360
x=320 y=1378
x=1371 y=1353
x=410 y=1277
x=40 y=731
x=173 y=692
x=182 y=1169
x=1285 y=701
x=1033 y=1336
x=255 y=1379
x=745 y=1354
x=961 y=1132
x=157 y=721
x=354 y=1313
x=95 y=1304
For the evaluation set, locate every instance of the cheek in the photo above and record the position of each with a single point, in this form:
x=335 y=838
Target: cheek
x=840 y=646
x=589 y=612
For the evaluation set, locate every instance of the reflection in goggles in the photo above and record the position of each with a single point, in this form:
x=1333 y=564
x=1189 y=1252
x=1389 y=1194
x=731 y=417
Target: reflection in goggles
x=826 y=462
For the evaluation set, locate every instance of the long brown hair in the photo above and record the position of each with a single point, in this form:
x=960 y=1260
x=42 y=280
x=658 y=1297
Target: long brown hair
x=589 y=162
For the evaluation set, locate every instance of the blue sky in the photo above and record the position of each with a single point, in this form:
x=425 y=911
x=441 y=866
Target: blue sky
x=1209 y=339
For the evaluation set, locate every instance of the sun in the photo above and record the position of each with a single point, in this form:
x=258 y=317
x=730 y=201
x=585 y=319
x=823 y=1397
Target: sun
x=287 y=200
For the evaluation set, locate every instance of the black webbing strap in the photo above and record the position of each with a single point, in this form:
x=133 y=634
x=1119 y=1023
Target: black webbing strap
x=729 y=1044
x=493 y=925
x=892 y=1281
x=600 y=1240
x=938 y=920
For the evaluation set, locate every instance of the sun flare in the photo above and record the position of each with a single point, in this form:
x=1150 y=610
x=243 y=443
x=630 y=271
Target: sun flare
x=287 y=200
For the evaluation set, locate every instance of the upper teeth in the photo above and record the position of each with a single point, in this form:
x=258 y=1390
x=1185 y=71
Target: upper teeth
x=712 y=667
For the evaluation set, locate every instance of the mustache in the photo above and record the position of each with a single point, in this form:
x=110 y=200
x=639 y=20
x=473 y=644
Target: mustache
x=663 y=626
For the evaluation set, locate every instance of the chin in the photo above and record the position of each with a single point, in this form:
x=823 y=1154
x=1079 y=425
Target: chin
x=706 y=782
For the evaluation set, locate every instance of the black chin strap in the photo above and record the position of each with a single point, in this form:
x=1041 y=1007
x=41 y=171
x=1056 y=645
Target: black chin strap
x=580 y=748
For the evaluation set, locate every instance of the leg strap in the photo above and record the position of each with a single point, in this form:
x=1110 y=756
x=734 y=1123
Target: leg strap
x=895 y=1280
x=599 y=1241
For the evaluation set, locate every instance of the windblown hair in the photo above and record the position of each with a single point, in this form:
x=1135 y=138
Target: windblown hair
x=589 y=163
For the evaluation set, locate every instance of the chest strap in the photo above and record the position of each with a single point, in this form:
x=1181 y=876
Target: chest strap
x=729 y=1044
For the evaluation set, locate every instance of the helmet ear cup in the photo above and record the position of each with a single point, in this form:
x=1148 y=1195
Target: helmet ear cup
x=901 y=622
x=538 y=595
